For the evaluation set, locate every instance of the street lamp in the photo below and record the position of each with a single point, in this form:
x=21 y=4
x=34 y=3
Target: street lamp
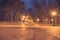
x=54 y=15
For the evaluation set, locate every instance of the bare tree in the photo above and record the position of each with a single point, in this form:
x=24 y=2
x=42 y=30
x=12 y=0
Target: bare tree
x=12 y=8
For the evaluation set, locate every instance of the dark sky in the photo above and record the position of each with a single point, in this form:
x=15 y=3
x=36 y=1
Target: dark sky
x=28 y=3
x=3 y=2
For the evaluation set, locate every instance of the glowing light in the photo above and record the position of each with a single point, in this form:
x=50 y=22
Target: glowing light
x=23 y=16
x=38 y=19
x=54 y=13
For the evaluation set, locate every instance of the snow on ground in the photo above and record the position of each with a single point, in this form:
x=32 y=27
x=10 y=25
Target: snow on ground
x=53 y=30
x=27 y=34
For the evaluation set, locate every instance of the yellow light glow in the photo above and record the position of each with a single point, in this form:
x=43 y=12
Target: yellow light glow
x=38 y=19
x=54 y=13
x=24 y=16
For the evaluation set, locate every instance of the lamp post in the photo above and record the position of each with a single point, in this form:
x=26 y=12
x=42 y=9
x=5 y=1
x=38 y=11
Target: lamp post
x=54 y=15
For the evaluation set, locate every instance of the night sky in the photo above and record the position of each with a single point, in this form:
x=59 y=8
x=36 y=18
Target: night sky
x=3 y=2
x=28 y=3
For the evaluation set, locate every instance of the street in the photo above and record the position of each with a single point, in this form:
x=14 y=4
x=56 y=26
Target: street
x=29 y=31
x=27 y=34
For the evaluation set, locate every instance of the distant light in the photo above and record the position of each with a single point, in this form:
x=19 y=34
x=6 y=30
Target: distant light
x=38 y=19
x=23 y=16
x=54 y=13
